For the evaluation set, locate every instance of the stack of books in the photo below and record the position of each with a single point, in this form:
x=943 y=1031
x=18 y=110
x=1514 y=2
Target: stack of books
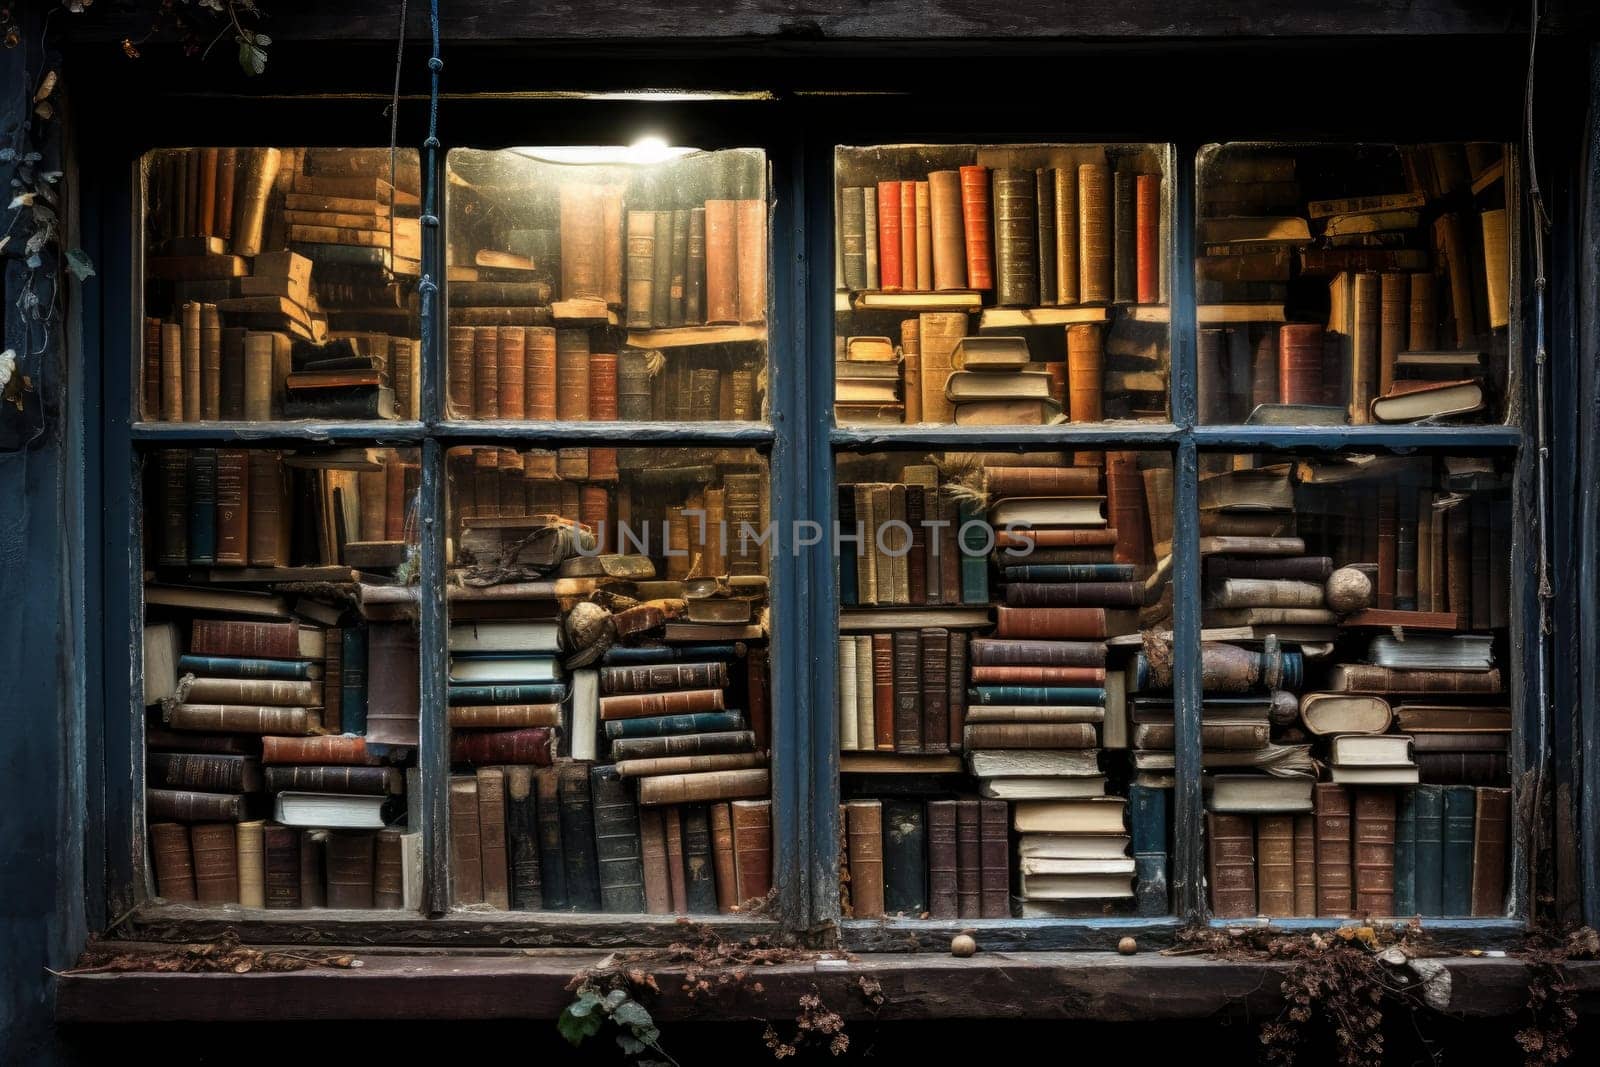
x=349 y=377
x=868 y=387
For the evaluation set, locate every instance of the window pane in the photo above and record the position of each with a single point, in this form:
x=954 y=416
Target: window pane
x=280 y=283
x=601 y=283
x=608 y=697
x=1356 y=719
x=1353 y=283
x=991 y=615
x=280 y=678
x=1000 y=285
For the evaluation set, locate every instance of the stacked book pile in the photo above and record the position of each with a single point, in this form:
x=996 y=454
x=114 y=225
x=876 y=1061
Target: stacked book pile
x=868 y=387
x=931 y=859
x=251 y=250
x=349 y=377
x=992 y=381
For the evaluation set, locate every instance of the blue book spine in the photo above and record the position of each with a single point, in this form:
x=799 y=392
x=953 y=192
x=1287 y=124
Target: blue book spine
x=1147 y=819
x=1061 y=695
x=1070 y=572
x=203 y=506
x=1427 y=805
x=975 y=536
x=353 y=681
x=548 y=693
x=281 y=670
x=846 y=552
x=1405 y=853
x=683 y=653
x=1455 y=880
x=699 y=722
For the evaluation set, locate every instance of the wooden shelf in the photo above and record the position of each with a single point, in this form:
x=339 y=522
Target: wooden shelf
x=897 y=763
x=1493 y=173
x=689 y=336
x=1018 y=318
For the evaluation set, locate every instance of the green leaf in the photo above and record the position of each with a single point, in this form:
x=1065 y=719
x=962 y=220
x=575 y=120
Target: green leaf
x=632 y=1013
x=587 y=1001
x=614 y=999
x=577 y=1028
x=79 y=264
x=630 y=1045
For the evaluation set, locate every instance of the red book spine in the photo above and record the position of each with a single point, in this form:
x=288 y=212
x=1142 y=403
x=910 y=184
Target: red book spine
x=975 y=219
x=511 y=387
x=539 y=373
x=480 y=747
x=486 y=372
x=889 y=236
x=1067 y=624
x=1300 y=363
x=594 y=504
x=603 y=408
x=1147 y=227
x=1125 y=507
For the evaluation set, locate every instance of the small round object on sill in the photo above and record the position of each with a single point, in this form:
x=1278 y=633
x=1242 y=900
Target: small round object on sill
x=963 y=946
x=1348 y=590
x=1127 y=946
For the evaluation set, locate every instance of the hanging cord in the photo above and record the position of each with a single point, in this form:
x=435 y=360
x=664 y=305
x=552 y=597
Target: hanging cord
x=394 y=115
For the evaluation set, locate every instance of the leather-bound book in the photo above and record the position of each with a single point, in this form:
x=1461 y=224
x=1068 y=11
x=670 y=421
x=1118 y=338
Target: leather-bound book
x=1027 y=735
x=1305 y=865
x=582 y=218
x=752 y=258
x=956 y=701
x=1394 y=316
x=313 y=869
x=393 y=691
x=351 y=868
x=651 y=677
x=1458 y=842
x=650 y=705
x=353 y=659
x=486 y=371
x=460 y=388
x=1015 y=238
x=577 y=837
x=947 y=237
x=865 y=829
x=641 y=249
x=1458 y=567
x=1388 y=547
x=1051 y=624
x=1231 y=865
x=372 y=495
x=173 y=862
x=1044 y=199
x=1405 y=854
x=907 y=666
x=216 y=863
x=205 y=215
x=942 y=863
x=572 y=375
x=721 y=821
x=677 y=883
x=883 y=734
x=227 y=177
x=699 y=876
x=539 y=385
x=869 y=230
x=852 y=237
x=634 y=399
x=1365 y=678
x=1334 y=852
x=1263 y=366
x=617 y=842
x=934 y=736
x=1094 y=233
x=661 y=270
x=466 y=856
x=1490 y=842
x=1365 y=345
x=530 y=745
x=233 y=718
x=704 y=786
x=969 y=859
x=1125 y=263
x=250 y=203
x=976 y=223
x=192 y=388
x=1497 y=278
x=1073 y=594
x=994 y=852
x=611 y=245
x=722 y=262
x=388 y=869
x=752 y=848
x=653 y=861
x=1085 y=375
x=1064 y=199
x=603 y=408
x=1147 y=237
x=923 y=221
x=937 y=334
x=911 y=368
x=1147 y=823
x=210 y=362
x=1300 y=363
x=281 y=845
x=1427 y=815
x=694 y=291
x=905 y=889
x=492 y=837
x=1374 y=851
x=890 y=277
x=908 y=235
x=510 y=371
x=171 y=377
x=522 y=839
x=1422 y=329
x=552 y=867
x=203 y=772
x=1125 y=507
x=1451 y=246
x=678 y=267
x=1276 y=864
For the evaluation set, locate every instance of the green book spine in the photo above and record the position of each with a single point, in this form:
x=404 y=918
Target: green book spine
x=353 y=681
x=1455 y=877
x=974 y=560
x=1405 y=853
x=203 y=507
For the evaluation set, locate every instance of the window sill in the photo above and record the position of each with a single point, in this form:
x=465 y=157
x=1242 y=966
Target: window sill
x=991 y=985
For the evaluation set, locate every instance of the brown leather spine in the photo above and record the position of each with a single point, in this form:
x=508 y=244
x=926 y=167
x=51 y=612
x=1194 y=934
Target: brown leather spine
x=1305 y=865
x=1018 y=675
x=721 y=816
x=969 y=859
x=150 y=372
x=956 y=676
x=677 y=876
x=645 y=705
x=889 y=250
x=924 y=232
x=583 y=252
x=1275 y=864
x=1395 y=310
x=1365 y=341
x=1029 y=735
x=1147 y=241
x=603 y=408
x=492 y=837
x=883 y=692
x=510 y=372
x=171 y=372
x=466 y=863
x=653 y=853
x=752 y=255
x=227 y=175
x=656 y=677
x=704 y=786
x=173 y=862
x=388 y=870
x=752 y=848
x=976 y=221
x=210 y=338
x=722 y=262
x=908 y=235
x=1422 y=331
x=572 y=375
x=234 y=637
x=460 y=388
x=641 y=253
x=865 y=820
x=1042 y=481
x=313 y=869
x=1016 y=246
x=1085 y=374
x=350 y=868
x=282 y=847
x=268 y=530
x=1094 y=233
x=372 y=491
x=942 y=863
x=994 y=848
x=997 y=652
x=1374 y=851
x=334 y=750
x=1231 y=865
x=1490 y=845
x=533 y=745
x=233 y=516
x=1300 y=363
x=934 y=736
x=486 y=372
x=947 y=234
x=1067 y=624
x=907 y=668
x=1334 y=851
x=216 y=863
x=539 y=373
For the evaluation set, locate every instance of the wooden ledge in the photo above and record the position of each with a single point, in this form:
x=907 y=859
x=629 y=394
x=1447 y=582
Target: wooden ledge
x=1039 y=985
